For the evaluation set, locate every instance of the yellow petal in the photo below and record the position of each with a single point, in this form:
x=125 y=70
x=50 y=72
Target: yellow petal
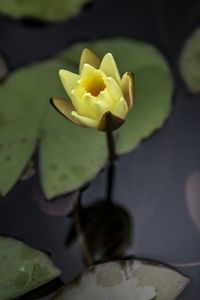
x=105 y=98
x=87 y=70
x=65 y=108
x=77 y=99
x=109 y=122
x=127 y=84
x=121 y=108
x=92 y=108
x=103 y=106
x=69 y=80
x=113 y=88
x=84 y=121
x=109 y=67
x=88 y=57
x=84 y=103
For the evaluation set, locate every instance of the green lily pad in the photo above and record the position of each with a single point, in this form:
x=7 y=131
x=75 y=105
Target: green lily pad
x=22 y=268
x=20 y=117
x=71 y=156
x=189 y=62
x=154 y=89
x=130 y=279
x=42 y=9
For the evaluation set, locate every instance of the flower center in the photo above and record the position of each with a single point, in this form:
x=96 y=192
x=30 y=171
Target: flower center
x=94 y=84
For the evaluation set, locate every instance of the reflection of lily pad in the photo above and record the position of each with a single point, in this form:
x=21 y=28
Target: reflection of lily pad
x=71 y=156
x=22 y=268
x=190 y=62
x=131 y=279
x=48 y=10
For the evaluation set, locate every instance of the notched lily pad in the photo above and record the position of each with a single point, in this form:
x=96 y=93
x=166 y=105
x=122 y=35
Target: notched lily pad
x=189 y=62
x=48 y=10
x=71 y=156
x=22 y=268
x=127 y=279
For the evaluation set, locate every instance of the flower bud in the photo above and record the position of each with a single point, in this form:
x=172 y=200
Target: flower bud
x=99 y=97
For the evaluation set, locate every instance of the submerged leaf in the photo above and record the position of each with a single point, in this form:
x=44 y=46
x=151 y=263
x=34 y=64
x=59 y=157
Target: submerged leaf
x=71 y=156
x=127 y=279
x=63 y=206
x=190 y=62
x=3 y=68
x=193 y=197
x=48 y=10
x=22 y=268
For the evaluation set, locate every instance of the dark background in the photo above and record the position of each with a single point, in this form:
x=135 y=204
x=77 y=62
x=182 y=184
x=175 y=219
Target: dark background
x=151 y=181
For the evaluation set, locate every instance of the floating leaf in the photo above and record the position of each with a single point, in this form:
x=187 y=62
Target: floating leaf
x=71 y=156
x=130 y=279
x=20 y=117
x=17 y=143
x=42 y=9
x=22 y=268
x=190 y=62
x=152 y=85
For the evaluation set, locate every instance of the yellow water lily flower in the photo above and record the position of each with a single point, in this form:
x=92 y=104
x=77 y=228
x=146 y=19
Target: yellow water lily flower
x=99 y=97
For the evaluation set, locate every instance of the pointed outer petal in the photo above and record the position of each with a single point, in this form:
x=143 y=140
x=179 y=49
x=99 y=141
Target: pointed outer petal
x=69 y=80
x=85 y=121
x=121 y=108
x=109 y=122
x=88 y=57
x=127 y=85
x=65 y=108
x=109 y=67
x=113 y=88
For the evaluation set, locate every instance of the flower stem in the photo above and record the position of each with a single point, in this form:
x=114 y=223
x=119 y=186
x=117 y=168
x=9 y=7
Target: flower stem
x=111 y=145
x=110 y=181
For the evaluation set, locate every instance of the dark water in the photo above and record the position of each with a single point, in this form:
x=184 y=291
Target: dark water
x=153 y=182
